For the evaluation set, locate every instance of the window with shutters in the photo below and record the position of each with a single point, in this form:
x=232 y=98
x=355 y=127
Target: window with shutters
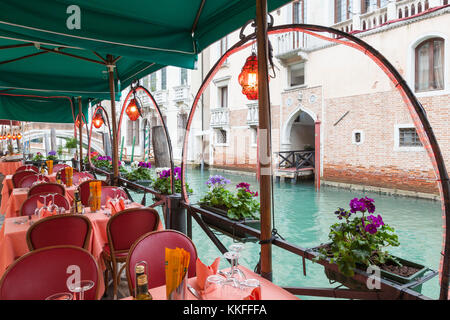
x=429 y=65
x=183 y=77
x=181 y=127
x=153 y=82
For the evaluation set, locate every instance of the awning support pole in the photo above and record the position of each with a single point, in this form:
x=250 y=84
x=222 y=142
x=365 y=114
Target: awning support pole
x=80 y=128
x=115 y=148
x=265 y=148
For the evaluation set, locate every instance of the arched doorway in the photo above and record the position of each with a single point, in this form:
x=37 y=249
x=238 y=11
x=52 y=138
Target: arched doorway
x=299 y=141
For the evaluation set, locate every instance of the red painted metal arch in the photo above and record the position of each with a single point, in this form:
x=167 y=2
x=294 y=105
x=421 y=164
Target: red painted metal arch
x=416 y=111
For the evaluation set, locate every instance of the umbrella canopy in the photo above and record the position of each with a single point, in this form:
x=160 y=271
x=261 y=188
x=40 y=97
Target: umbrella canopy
x=63 y=48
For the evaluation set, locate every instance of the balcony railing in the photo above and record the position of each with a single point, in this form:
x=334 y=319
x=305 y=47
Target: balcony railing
x=252 y=114
x=161 y=97
x=181 y=93
x=373 y=19
x=290 y=42
x=219 y=117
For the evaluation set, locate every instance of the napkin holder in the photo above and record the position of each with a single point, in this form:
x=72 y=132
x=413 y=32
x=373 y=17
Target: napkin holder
x=180 y=292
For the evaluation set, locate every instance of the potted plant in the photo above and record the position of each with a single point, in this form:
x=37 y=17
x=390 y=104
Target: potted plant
x=140 y=173
x=359 y=241
x=71 y=145
x=240 y=206
x=162 y=181
x=60 y=151
x=52 y=156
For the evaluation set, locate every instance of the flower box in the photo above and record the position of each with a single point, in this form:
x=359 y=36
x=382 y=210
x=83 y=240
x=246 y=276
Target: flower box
x=351 y=283
x=229 y=230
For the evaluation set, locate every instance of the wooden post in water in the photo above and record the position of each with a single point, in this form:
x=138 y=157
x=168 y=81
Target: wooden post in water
x=115 y=147
x=265 y=148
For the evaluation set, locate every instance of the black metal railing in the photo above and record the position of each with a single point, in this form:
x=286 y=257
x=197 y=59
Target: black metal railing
x=298 y=159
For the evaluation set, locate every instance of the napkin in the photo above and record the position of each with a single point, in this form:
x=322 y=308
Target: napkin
x=45 y=212
x=176 y=266
x=115 y=205
x=203 y=271
x=254 y=295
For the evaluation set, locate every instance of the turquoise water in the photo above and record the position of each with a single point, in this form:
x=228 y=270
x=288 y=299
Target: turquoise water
x=303 y=217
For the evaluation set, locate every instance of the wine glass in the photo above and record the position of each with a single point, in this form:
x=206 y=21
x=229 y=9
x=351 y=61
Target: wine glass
x=60 y=296
x=81 y=287
x=247 y=287
x=53 y=206
x=44 y=207
x=213 y=288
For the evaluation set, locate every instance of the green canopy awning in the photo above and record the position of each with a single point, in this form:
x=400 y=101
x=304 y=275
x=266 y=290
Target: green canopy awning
x=60 y=48
x=40 y=109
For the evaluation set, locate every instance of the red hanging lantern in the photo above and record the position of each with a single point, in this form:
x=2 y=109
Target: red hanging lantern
x=97 y=120
x=132 y=110
x=248 y=78
x=8 y=136
x=14 y=136
x=77 y=121
x=19 y=136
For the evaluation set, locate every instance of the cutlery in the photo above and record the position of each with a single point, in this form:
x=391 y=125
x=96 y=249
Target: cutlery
x=194 y=292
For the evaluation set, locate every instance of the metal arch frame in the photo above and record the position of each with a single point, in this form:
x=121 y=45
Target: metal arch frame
x=100 y=109
x=133 y=91
x=416 y=111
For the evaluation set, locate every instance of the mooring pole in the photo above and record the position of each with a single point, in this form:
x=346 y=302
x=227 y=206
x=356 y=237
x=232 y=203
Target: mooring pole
x=265 y=148
x=115 y=160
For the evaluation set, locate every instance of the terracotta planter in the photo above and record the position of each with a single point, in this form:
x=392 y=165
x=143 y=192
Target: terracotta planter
x=351 y=283
x=229 y=230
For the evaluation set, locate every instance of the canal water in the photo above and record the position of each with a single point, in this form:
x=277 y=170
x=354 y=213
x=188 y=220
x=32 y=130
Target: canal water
x=303 y=217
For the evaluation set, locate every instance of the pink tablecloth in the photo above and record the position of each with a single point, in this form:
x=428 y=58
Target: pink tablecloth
x=6 y=191
x=18 y=197
x=9 y=167
x=13 y=242
x=269 y=290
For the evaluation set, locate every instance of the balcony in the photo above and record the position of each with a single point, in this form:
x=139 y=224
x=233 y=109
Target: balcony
x=181 y=94
x=252 y=114
x=161 y=97
x=290 y=43
x=219 y=117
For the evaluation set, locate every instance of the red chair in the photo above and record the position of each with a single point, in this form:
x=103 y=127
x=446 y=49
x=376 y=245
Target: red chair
x=44 y=272
x=123 y=229
x=63 y=229
x=80 y=175
x=28 y=167
x=112 y=192
x=28 y=181
x=63 y=173
x=47 y=187
x=30 y=204
x=84 y=191
x=151 y=249
x=19 y=175
x=59 y=166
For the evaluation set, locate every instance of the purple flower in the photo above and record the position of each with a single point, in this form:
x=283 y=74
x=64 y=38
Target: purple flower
x=342 y=213
x=215 y=181
x=145 y=164
x=371 y=228
x=357 y=205
x=177 y=173
x=52 y=153
x=243 y=185
x=369 y=204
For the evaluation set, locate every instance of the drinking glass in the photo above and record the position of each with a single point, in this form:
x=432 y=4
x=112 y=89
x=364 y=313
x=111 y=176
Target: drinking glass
x=247 y=287
x=81 y=287
x=53 y=206
x=44 y=207
x=60 y=296
x=213 y=288
x=234 y=272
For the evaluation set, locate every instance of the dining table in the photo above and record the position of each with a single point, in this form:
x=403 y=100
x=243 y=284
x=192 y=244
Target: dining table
x=13 y=243
x=9 y=167
x=269 y=290
x=11 y=207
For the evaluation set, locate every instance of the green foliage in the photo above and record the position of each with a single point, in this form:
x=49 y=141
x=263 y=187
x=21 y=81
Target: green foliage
x=162 y=184
x=239 y=205
x=52 y=158
x=60 y=151
x=139 y=173
x=359 y=241
x=38 y=156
